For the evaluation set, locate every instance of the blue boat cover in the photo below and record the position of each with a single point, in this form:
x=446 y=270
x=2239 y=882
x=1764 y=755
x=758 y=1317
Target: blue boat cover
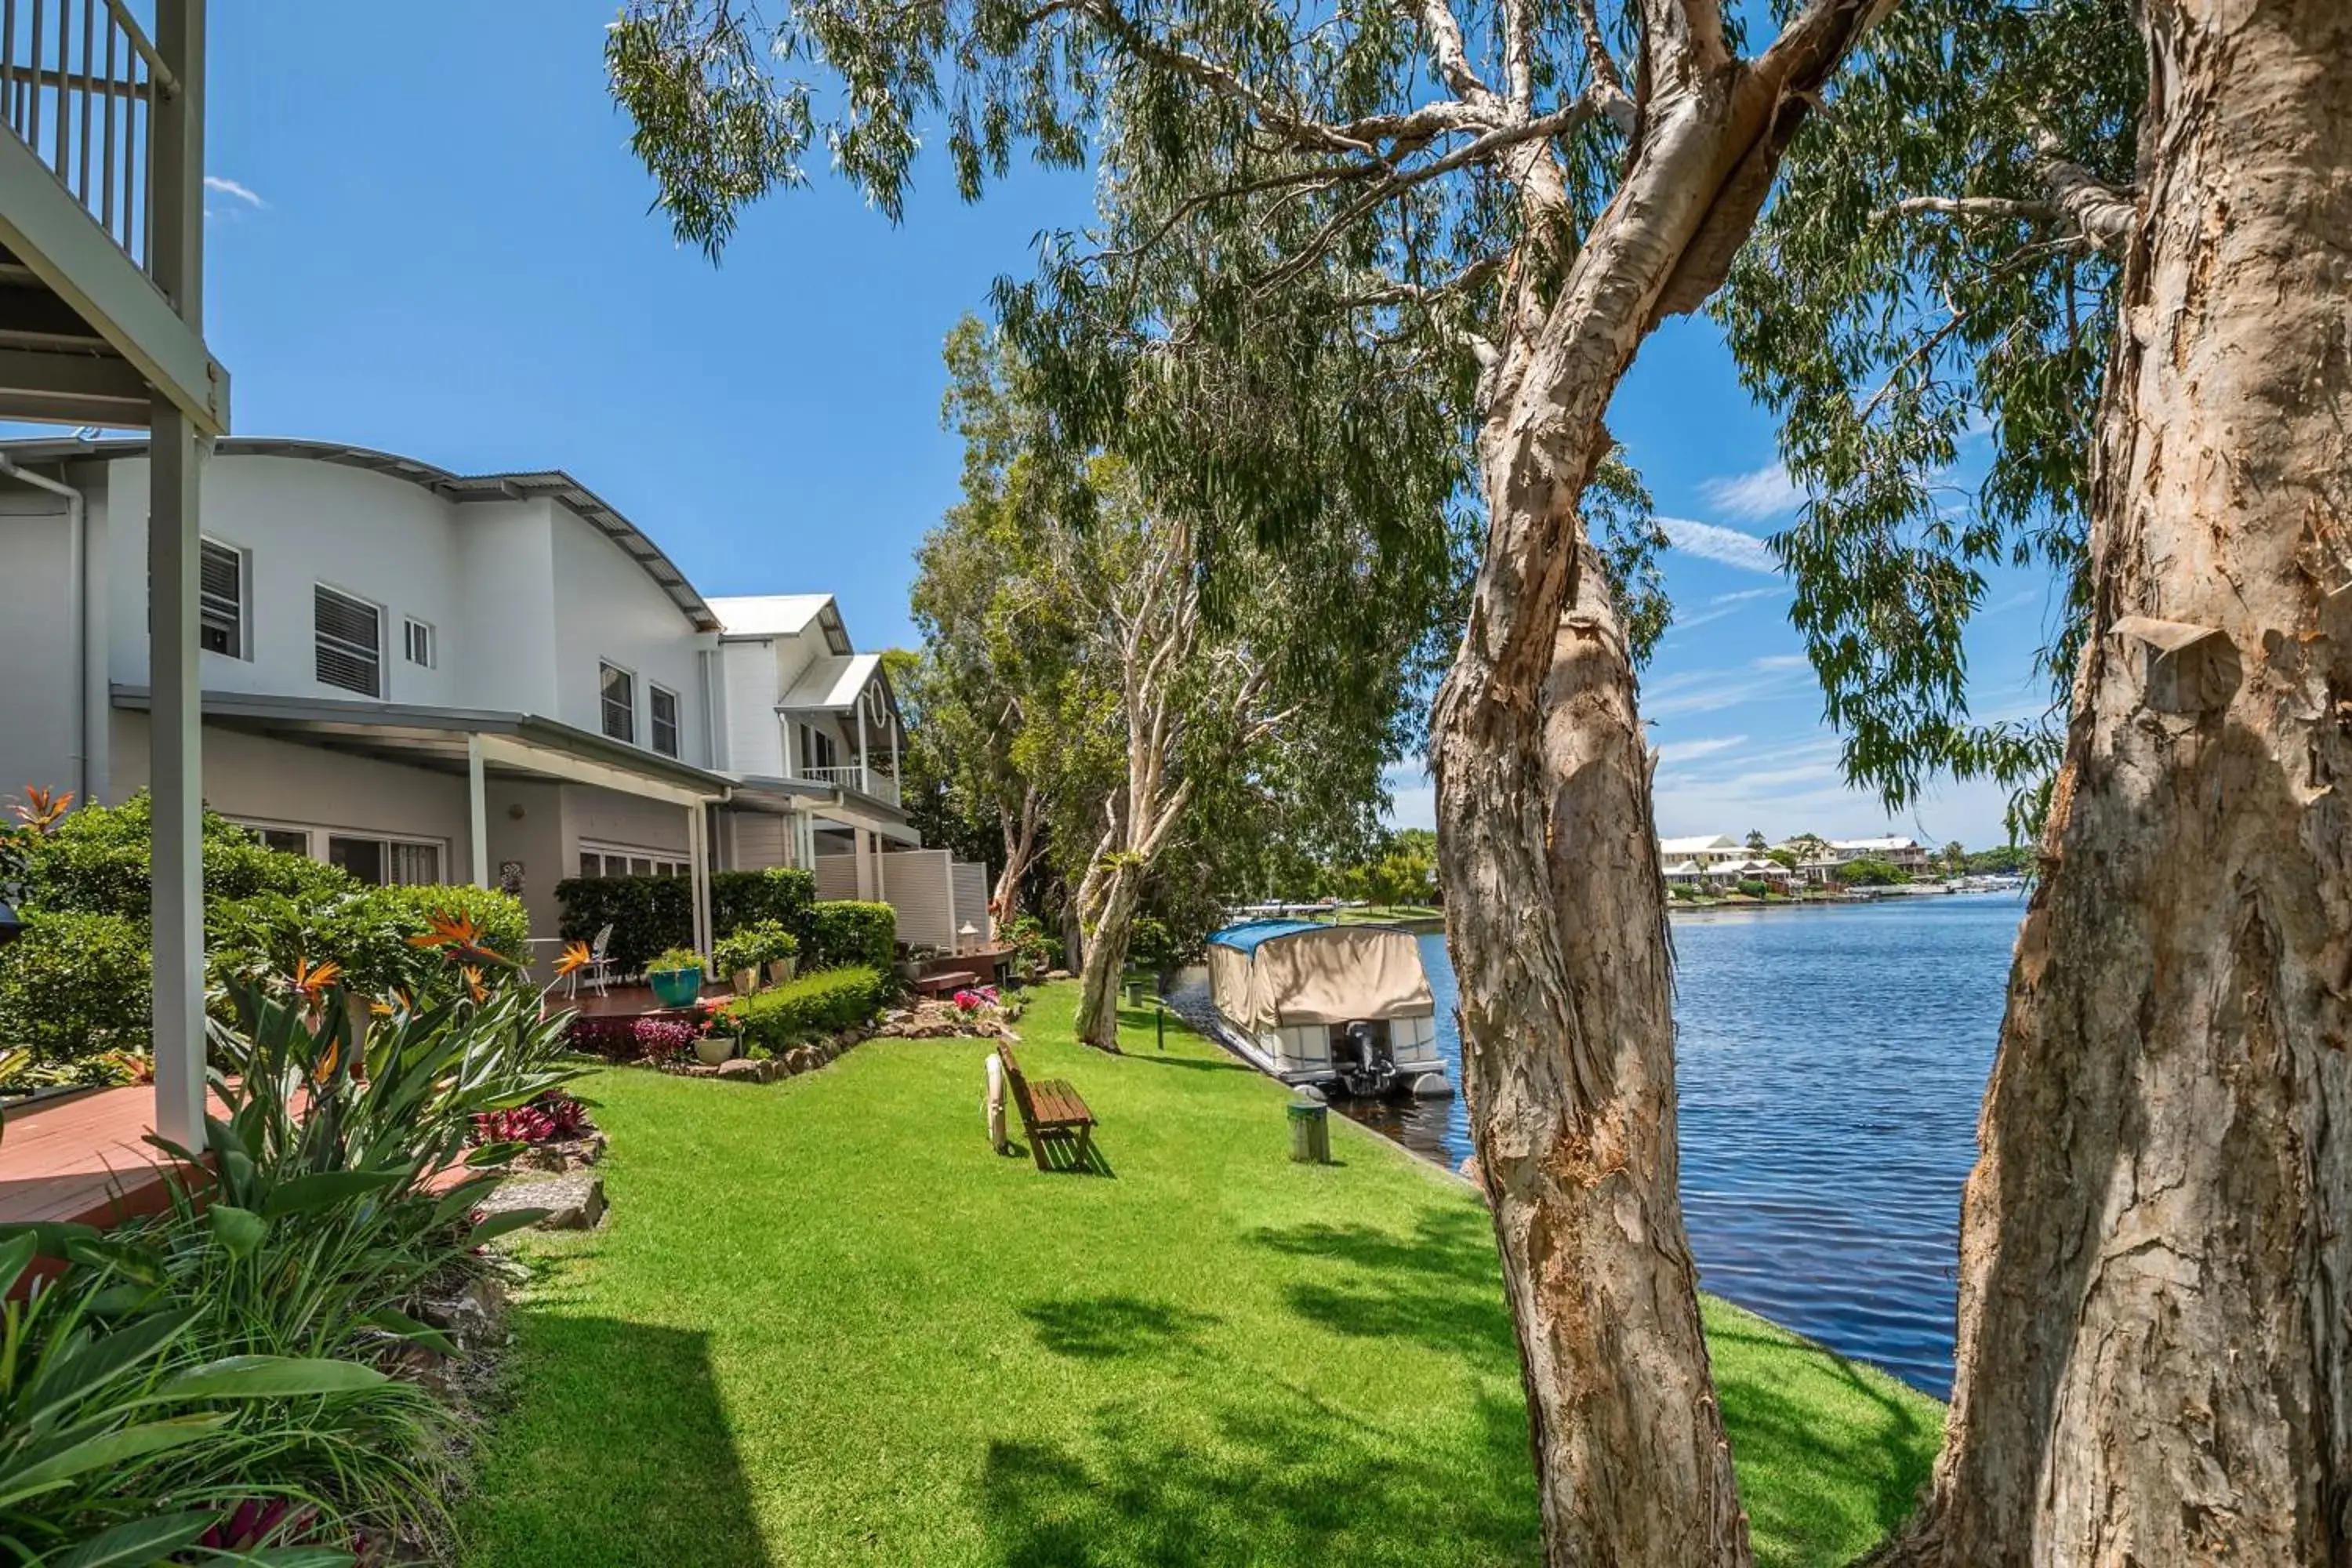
x=1248 y=936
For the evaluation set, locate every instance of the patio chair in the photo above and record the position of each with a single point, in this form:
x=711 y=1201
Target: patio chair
x=600 y=965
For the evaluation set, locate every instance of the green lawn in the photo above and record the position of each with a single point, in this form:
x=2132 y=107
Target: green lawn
x=825 y=1325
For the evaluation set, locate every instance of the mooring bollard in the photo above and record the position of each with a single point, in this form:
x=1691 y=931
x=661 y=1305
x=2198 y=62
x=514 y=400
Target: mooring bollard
x=1310 y=1133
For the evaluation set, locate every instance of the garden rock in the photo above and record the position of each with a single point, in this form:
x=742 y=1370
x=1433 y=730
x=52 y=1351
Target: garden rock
x=470 y=1316
x=800 y=1058
x=742 y=1070
x=566 y=1154
x=573 y=1202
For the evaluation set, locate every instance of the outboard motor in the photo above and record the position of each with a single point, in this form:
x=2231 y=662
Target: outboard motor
x=1368 y=1070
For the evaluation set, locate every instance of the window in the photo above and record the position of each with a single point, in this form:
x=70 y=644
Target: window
x=817 y=750
x=417 y=638
x=664 y=703
x=620 y=690
x=287 y=840
x=220 y=599
x=604 y=860
x=401 y=862
x=349 y=642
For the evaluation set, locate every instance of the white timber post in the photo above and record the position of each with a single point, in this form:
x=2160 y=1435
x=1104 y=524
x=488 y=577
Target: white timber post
x=175 y=712
x=697 y=859
x=863 y=842
x=477 y=811
x=897 y=780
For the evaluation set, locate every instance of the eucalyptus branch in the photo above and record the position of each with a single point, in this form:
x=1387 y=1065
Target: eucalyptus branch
x=1608 y=82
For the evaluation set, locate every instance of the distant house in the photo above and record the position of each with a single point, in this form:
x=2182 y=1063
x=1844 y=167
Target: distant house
x=1818 y=860
x=1701 y=852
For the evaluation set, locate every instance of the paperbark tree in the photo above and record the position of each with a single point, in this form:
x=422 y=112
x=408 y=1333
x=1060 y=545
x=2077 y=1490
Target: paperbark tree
x=1422 y=218
x=2156 y=1240
x=2147 y=223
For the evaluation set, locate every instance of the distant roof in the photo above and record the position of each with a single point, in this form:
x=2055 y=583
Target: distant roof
x=1866 y=844
x=552 y=483
x=1692 y=845
x=833 y=682
x=1250 y=935
x=781 y=616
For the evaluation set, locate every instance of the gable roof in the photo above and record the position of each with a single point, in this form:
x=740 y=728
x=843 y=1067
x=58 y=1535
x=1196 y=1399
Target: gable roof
x=782 y=615
x=833 y=682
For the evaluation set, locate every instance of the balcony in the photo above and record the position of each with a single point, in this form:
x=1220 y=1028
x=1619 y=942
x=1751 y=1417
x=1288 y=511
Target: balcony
x=102 y=215
x=881 y=785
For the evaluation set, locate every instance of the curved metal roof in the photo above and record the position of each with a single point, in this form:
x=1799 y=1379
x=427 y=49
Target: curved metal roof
x=552 y=483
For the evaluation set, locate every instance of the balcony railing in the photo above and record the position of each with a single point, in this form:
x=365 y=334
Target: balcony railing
x=882 y=786
x=80 y=81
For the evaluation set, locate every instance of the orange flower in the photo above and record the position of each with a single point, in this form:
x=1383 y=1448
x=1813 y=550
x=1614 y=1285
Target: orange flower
x=327 y=1064
x=474 y=983
x=40 y=808
x=311 y=979
x=575 y=957
x=460 y=937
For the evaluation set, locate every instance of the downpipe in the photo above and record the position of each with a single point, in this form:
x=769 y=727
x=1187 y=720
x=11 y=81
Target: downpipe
x=78 y=573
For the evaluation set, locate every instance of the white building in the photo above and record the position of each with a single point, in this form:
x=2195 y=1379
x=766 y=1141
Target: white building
x=423 y=676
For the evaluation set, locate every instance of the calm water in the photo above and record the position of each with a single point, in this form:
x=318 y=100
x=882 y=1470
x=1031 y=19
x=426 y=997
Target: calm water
x=1830 y=1063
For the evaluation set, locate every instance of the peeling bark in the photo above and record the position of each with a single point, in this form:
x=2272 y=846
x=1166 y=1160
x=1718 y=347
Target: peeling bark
x=2157 y=1240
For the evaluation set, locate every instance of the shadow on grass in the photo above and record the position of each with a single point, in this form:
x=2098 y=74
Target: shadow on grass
x=1284 y=1478
x=1816 y=1490
x=611 y=1442
x=1100 y=1328
x=1436 y=1285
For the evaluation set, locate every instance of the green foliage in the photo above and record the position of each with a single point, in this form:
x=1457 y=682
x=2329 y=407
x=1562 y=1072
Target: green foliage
x=1150 y=945
x=650 y=913
x=750 y=946
x=1900 y=344
x=673 y=958
x=1755 y=888
x=94 y=859
x=646 y=914
x=1034 y=947
x=2005 y=861
x=850 y=932
x=780 y=893
x=1869 y=871
x=73 y=987
x=801 y=1009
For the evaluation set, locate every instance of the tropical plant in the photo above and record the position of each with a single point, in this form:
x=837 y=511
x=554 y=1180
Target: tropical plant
x=672 y=958
x=116 y=1447
x=1034 y=947
x=750 y=946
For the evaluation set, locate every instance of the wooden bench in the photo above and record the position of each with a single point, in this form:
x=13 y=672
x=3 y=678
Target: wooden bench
x=1051 y=1113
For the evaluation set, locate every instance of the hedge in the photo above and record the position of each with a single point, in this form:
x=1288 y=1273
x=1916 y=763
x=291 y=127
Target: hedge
x=71 y=986
x=814 y=1005
x=650 y=913
x=846 y=930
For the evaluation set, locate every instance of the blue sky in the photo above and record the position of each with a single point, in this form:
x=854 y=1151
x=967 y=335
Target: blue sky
x=427 y=235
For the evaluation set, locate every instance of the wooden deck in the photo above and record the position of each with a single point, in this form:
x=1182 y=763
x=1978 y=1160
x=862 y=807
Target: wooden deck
x=82 y=1160
x=624 y=1001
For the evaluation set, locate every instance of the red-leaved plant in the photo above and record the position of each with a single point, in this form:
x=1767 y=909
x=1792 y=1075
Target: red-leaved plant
x=553 y=1116
x=662 y=1038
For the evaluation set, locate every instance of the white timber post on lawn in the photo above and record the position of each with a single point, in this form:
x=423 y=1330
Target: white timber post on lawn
x=175 y=710
x=477 y=811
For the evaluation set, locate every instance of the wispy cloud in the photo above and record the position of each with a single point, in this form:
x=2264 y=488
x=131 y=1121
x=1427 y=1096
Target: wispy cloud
x=1780 y=591
x=1724 y=546
x=1757 y=497
x=1687 y=751
x=1712 y=690
x=229 y=187
x=2016 y=601
x=1782 y=662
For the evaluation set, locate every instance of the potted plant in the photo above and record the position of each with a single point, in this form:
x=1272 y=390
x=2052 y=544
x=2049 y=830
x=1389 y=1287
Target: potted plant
x=783 y=955
x=720 y=1039
x=675 y=975
x=739 y=955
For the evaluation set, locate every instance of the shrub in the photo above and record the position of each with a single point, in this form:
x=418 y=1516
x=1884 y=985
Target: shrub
x=73 y=987
x=763 y=941
x=658 y=1039
x=1034 y=947
x=813 y=1005
x=740 y=898
x=96 y=859
x=650 y=913
x=673 y=958
x=1755 y=888
x=1869 y=871
x=847 y=932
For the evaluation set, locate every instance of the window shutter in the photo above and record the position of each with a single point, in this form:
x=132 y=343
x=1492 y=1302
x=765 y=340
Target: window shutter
x=350 y=643
x=220 y=599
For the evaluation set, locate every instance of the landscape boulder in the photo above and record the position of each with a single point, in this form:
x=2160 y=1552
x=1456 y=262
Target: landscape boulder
x=573 y=1202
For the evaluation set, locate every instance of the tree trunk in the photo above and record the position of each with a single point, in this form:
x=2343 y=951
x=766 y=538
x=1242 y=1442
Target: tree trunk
x=1556 y=921
x=2156 y=1241
x=1098 y=1020
x=1020 y=854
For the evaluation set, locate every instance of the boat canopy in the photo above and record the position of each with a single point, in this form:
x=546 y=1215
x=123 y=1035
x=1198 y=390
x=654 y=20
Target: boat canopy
x=1267 y=974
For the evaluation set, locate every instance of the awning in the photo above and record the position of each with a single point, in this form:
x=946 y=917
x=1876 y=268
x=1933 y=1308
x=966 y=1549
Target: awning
x=437 y=738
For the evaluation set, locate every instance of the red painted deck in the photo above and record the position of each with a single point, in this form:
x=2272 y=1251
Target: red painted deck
x=82 y=1160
